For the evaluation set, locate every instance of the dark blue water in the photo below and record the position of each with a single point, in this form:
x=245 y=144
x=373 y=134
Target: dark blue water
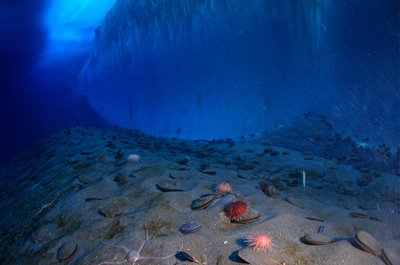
x=155 y=127
x=204 y=70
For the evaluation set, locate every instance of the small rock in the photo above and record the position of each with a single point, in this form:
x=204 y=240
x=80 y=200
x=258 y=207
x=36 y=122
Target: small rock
x=66 y=250
x=308 y=156
x=122 y=178
x=274 y=153
x=119 y=154
x=317 y=239
x=272 y=191
x=268 y=149
x=184 y=160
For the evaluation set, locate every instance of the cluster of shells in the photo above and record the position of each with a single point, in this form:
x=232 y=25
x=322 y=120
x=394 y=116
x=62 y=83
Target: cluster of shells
x=363 y=239
x=247 y=215
x=369 y=244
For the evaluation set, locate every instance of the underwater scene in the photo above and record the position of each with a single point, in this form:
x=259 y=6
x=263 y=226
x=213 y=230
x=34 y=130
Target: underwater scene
x=209 y=132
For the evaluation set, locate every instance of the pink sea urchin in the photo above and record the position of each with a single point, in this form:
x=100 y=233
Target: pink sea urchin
x=260 y=242
x=223 y=188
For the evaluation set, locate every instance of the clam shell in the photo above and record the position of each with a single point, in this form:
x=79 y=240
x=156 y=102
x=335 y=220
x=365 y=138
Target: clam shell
x=66 y=250
x=368 y=243
x=203 y=202
x=296 y=202
x=190 y=227
x=389 y=258
x=358 y=215
x=188 y=256
x=313 y=218
x=169 y=187
x=249 y=217
x=209 y=171
x=317 y=239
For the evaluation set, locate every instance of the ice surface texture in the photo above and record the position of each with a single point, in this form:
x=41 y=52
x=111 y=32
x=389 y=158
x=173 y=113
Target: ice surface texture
x=203 y=69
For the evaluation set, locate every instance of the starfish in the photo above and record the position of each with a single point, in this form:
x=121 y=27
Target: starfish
x=362 y=145
x=132 y=256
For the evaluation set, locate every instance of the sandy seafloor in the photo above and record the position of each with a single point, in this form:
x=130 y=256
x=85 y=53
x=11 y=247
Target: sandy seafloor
x=77 y=188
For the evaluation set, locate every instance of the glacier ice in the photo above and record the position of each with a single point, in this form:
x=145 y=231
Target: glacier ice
x=205 y=69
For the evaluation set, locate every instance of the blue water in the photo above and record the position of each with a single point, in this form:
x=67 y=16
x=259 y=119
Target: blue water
x=116 y=116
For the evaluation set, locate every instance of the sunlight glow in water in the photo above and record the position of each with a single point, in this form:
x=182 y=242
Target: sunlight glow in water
x=70 y=25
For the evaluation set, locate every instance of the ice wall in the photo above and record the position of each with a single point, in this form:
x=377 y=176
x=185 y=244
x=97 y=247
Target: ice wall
x=204 y=69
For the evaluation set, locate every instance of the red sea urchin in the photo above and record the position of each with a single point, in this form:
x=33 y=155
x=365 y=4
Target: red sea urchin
x=236 y=210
